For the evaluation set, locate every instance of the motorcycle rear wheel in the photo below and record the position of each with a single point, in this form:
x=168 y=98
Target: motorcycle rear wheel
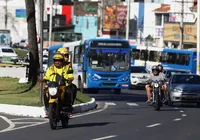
x=65 y=121
x=52 y=116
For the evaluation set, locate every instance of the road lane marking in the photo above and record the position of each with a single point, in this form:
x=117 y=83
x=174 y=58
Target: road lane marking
x=132 y=104
x=178 y=119
x=153 y=125
x=109 y=103
x=176 y=108
x=11 y=124
x=184 y=115
x=181 y=111
x=107 y=137
x=19 y=119
x=25 y=122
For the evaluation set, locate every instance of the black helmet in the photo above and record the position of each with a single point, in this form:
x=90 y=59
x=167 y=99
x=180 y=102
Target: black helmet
x=154 y=68
x=160 y=67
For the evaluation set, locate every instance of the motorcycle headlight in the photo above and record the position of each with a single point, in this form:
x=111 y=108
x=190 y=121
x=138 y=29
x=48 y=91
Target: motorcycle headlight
x=52 y=91
x=156 y=85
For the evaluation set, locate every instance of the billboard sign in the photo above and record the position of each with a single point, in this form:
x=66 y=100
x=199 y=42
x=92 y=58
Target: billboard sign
x=115 y=17
x=85 y=8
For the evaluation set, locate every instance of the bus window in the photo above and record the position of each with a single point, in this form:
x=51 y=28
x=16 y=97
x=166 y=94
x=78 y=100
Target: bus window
x=76 y=54
x=163 y=57
x=171 y=58
x=181 y=59
x=135 y=54
x=154 y=56
x=144 y=55
x=187 y=59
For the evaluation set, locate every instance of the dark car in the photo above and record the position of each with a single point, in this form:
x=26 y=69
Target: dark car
x=184 y=88
x=169 y=72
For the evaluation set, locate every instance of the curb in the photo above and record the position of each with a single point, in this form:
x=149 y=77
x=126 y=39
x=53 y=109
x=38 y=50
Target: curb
x=31 y=111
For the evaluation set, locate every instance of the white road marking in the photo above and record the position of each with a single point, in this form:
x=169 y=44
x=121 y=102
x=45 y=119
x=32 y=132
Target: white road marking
x=184 y=115
x=181 y=111
x=25 y=122
x=18 y=119
x=107 y=137
x=178 y=119
x=132 y=104
x=176 y=108
x=108 y=103
x=11 y=124
x=153 y=125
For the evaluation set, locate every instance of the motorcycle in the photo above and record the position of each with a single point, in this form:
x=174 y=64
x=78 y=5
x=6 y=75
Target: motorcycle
x=58 y=107
x=157 y=94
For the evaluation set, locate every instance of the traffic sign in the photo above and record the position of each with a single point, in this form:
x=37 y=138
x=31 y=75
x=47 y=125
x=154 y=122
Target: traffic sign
x=20 y=13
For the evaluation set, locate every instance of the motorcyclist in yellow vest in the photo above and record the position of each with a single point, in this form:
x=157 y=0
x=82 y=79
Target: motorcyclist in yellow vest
x=57 y=70
x=65 y=52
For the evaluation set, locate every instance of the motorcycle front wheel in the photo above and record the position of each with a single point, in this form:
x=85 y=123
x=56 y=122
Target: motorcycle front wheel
x=52 y=116
x=157 y=102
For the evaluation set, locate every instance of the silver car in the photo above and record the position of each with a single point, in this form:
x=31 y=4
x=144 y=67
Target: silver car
x=184 y=88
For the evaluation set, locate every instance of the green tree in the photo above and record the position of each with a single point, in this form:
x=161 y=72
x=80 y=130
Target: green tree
x=33 y=46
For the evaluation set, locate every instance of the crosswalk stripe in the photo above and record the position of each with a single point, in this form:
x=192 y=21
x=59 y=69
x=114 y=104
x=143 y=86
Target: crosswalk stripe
x=132 y=104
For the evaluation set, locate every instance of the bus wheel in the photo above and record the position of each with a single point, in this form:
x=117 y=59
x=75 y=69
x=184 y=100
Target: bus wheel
x=117 y=91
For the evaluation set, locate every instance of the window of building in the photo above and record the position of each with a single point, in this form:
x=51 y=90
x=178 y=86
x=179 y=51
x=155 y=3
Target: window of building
x=158 y=19
x=166 y=18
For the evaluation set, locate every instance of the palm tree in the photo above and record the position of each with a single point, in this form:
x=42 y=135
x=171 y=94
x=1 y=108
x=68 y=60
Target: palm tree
x=33 y=46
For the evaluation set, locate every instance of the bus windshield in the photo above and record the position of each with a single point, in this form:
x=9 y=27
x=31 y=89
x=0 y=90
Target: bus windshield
x=109 y=60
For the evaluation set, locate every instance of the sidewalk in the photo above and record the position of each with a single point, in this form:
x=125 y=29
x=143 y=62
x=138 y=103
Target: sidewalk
x=31 y=111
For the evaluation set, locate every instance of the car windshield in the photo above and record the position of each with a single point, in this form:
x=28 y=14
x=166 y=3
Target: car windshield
x=7 y=50
x=138 y=70
x=109 y=60
x=186 y=79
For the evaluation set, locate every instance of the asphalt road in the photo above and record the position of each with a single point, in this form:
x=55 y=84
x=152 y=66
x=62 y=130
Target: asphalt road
x=118 y=117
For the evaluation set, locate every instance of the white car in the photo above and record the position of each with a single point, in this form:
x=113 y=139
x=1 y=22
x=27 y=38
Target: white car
x=8 y=54
x=139 y=76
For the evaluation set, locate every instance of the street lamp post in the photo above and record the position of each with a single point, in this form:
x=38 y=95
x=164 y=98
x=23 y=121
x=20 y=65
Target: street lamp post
x=41 y=46
x=128 y=19
x=198 y=37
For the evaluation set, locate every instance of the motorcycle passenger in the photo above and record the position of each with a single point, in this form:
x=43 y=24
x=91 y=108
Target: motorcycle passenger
x=160 y=67
x=55 y=72
x=65 y=52
x=153 y=77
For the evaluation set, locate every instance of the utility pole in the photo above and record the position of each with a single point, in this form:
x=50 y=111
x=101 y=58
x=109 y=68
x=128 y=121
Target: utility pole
x=128 y=19
x=101 y=18
x=181 y=46
x=198 y=37
x=6 y=13
x=41 y=46
x=50 y=23
x=181 y=26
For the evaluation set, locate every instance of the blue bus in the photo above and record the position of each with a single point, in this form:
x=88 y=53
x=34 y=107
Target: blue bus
x=169 y=58
x=99 y=63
